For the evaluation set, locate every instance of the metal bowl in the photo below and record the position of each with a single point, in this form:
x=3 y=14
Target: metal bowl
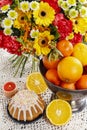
x=76 y=98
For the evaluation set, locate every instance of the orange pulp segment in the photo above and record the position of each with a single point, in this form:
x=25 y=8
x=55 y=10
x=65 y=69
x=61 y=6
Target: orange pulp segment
x=59 y=112
x=36 y=83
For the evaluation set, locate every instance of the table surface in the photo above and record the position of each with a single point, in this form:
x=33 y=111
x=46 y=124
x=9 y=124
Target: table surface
x=77 y=122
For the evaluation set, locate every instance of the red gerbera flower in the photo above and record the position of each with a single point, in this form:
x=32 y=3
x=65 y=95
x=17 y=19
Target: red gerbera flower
x=64 y=28
x=54 y=4
x=77 y=38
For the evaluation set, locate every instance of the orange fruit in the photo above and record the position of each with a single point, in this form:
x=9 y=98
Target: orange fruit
x=65 y=47
x=70 y=86
x=64 y=95
x=80 y=52
x=69 y=69
x=36 y=83
x=82 y=82
x=59 y=112
x=52 y=76
x=50 y=64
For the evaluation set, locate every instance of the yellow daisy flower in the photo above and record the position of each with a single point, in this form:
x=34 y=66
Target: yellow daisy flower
x=41 y=44
x=17 y=24
x=80 y=25
x=29 y=14
x=44 y=15
x=20 y=20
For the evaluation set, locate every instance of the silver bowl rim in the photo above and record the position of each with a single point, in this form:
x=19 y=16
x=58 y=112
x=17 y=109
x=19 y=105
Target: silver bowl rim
x=59 y=87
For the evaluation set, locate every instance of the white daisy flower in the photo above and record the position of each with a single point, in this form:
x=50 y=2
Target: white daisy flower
x=71 y=2
x=24 y=6
x=7 y=23
x=83 y=11
x=60 y=2
x=7 y=31
x=70 y=36
x=73 y=13
x=34 y=33
x=83 y=1
x=65 y=5
x=12 y=14
x=5 y=8
x=34 y=5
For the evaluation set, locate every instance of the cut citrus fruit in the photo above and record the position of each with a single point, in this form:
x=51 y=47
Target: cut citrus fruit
x=59 y=112
x=36 y=83
x=64 y=95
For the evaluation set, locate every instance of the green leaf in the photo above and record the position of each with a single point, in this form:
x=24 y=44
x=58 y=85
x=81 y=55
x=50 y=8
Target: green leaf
x=54 y=32
x=21 y=41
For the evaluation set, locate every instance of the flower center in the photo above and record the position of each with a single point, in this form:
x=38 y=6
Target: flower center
x=76 y=22
x=43 y=42
x=43 y=13
x=22 y=18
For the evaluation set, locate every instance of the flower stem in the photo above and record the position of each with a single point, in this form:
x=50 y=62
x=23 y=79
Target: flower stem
x=23 y=65
x=12 y=58
x=19 y=62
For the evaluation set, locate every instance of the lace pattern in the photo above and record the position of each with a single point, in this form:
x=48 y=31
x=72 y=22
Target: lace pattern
x=78 y=121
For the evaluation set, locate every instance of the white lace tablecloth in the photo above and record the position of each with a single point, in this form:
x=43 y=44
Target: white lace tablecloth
x=78 y=121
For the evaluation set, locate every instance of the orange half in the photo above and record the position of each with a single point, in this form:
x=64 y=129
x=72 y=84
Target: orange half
x=36 y=83
x=59 y=112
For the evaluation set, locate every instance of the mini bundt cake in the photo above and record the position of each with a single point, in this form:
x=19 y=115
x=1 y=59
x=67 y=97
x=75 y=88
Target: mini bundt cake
x=26 y=106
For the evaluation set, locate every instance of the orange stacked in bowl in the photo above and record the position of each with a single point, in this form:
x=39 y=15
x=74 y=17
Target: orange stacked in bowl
x=69 y=71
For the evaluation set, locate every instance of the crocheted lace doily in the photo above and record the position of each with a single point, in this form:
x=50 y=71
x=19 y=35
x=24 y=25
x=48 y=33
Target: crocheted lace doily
x=78 y=121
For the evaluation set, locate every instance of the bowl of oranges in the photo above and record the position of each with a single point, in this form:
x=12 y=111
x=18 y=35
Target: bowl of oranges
x=65 y=72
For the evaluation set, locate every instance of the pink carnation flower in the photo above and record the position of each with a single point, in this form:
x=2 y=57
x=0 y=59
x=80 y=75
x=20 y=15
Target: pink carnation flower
x=64 y=28
x=5 y=2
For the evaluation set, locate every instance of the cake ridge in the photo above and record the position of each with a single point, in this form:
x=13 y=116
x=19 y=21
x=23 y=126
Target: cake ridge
x=25 y=100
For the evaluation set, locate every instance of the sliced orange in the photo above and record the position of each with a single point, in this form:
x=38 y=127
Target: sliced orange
x=36 y=83
x=59 y=112
x=64 y=95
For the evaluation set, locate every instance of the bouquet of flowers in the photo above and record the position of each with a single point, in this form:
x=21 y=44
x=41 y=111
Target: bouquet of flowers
x=34 y=27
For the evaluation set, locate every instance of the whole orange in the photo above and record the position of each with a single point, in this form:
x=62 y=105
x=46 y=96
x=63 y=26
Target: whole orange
x=82 y=82
x=50 y=64
x=52 y=76
x=80 y=52
x=65 y=47
x=70 y=86
x=69 y=69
